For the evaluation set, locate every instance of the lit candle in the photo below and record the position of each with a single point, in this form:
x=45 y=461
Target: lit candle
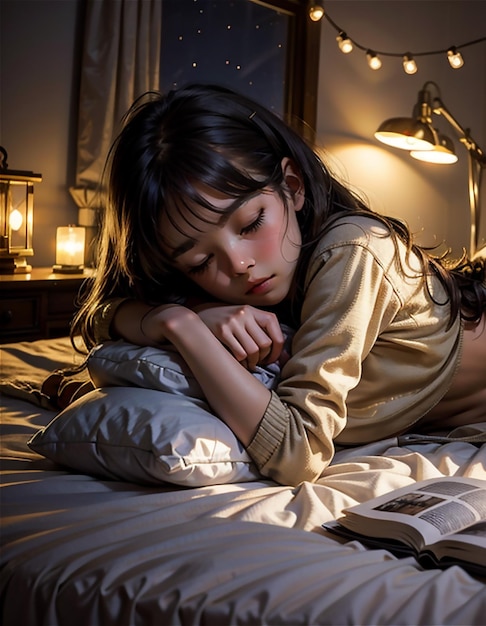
x=70 y=246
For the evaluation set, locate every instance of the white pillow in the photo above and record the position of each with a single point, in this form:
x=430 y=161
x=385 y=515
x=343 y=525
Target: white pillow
x=124 y=364
x=145 y=436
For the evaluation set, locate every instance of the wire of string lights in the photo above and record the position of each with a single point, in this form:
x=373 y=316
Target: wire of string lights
x=347 y=44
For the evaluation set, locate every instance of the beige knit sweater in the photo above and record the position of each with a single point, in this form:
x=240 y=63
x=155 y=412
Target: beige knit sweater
x=372 y=354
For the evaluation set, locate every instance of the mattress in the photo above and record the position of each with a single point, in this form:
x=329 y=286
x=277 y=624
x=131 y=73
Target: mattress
x=80 y=549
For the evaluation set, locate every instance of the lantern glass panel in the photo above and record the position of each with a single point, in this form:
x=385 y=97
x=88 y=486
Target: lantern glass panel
x=16 y=219
x=17 y=201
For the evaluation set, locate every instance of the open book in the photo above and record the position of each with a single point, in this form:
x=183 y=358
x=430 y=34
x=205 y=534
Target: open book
x=441 y=521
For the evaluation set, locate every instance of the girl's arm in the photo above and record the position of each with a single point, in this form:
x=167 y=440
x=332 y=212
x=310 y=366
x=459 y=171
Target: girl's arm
x=235 y=395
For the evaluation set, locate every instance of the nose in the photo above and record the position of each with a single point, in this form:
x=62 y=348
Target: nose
x=243 y=266
x=240 y=262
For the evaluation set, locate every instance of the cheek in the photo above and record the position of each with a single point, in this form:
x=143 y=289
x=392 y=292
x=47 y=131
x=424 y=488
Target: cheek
x=271 y=249
x=214 y=282
x=287 y=245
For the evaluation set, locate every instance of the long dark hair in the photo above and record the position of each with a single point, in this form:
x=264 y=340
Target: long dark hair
x=209 y=134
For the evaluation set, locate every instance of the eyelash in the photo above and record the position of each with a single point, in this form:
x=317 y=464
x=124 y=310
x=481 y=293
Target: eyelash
x=255 y=225
x=251 y=228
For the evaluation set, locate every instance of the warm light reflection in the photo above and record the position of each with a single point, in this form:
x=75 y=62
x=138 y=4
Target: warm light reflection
x=439 y=154
x=391 y=185
x=404 y=142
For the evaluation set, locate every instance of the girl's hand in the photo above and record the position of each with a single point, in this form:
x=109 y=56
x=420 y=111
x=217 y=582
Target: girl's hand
x=253 y=336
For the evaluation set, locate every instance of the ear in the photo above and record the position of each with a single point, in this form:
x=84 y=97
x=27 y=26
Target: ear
x=293 y=180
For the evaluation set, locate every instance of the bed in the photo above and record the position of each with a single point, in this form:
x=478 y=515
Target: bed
x=207 y=541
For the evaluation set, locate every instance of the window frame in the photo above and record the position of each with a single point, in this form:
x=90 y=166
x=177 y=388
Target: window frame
x=302 y=70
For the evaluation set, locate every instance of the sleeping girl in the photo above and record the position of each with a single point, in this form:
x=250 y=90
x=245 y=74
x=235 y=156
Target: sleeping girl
x=222 y=224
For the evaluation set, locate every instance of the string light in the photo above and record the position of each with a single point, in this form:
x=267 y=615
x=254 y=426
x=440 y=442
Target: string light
x=373 y=60
x=455 y=58
x=346 y=45
x=316 y=12
x=409 y=64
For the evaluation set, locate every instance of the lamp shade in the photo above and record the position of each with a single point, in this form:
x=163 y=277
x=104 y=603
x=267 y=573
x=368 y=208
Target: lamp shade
x=442 y=153
x=406 y=133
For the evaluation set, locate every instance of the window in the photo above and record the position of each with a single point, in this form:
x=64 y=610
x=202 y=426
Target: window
x=255 y=47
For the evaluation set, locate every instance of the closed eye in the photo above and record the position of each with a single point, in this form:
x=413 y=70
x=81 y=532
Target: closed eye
x=255 y=225
x=251 y=228
x=202 y=267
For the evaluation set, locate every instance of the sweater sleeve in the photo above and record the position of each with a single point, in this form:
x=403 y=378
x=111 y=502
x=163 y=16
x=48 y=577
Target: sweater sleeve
x=103 y=318
x=348 y=301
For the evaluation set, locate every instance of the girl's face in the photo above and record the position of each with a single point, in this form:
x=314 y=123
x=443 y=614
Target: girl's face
x=245 y=256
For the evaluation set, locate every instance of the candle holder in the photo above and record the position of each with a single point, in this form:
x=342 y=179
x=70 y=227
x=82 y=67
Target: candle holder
x=70 y=242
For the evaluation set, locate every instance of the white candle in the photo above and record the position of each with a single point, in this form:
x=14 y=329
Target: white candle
x=70 y=245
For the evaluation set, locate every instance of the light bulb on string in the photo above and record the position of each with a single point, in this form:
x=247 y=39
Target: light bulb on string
x=455 y=58
x=374 y=60
x=344 y=43
x=409 y=64
x=347 y=44
x=316 y=12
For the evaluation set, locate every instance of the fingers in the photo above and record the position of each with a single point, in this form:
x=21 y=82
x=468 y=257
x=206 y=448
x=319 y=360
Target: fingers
x=252 y=335
x=273 y=331
x=253 y=338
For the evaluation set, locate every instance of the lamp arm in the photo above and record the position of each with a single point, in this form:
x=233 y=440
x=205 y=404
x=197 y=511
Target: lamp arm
x=476 y=161
x=464 y=136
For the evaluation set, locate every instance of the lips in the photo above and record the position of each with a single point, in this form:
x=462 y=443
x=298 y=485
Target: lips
x=260 y=286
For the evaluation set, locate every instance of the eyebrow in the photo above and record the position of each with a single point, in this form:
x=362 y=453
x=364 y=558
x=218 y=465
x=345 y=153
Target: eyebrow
x=189 y=243
x=184 y=247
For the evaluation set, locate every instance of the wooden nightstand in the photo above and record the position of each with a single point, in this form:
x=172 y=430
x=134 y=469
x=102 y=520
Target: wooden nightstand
x=38 y=305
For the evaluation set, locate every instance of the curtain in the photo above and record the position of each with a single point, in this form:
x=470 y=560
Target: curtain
x=120 y=61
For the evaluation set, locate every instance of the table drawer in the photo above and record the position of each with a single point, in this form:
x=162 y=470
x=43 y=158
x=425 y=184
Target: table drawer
x=19 y=314
x=62 y=302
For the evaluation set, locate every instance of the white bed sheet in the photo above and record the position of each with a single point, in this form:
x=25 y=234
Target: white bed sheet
x=79 y=550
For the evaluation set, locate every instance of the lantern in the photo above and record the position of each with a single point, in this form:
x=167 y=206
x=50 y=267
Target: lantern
x=16 y=217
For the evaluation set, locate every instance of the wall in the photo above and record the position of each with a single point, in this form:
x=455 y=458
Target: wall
x=39 y=44
x=38 y=93
x=354 y=100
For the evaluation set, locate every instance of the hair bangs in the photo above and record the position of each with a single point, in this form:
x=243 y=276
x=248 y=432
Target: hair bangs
x=184 y=204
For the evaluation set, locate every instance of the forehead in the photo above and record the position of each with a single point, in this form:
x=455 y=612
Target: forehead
x=184 y=220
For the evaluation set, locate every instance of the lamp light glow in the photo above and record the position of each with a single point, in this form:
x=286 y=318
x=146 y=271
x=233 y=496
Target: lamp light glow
x=69 y=249
x=396 y=132
x=438 y=155
x=406 y=133
x=16 y=219
x=442 y=153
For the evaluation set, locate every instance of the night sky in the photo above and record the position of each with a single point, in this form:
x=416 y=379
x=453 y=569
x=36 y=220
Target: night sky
x=235 y=43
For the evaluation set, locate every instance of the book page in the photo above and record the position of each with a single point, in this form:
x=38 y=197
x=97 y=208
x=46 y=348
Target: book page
x=466 y=547
x=474 y=535
x=433 y=508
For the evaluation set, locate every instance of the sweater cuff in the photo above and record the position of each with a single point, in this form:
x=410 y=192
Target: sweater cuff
x=103 y=318
x=270 y=433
